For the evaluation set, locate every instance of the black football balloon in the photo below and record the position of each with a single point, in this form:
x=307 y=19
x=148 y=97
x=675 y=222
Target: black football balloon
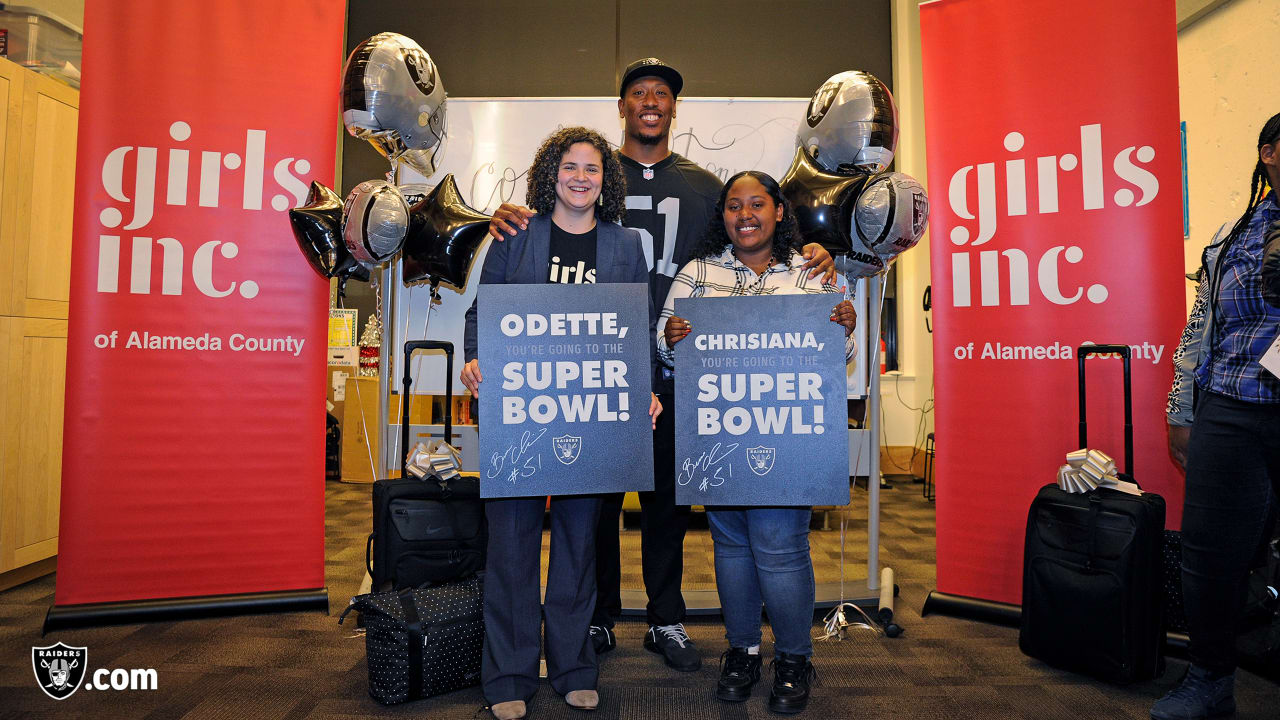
x=823 y=205
x=317 y=226
x=444 y=235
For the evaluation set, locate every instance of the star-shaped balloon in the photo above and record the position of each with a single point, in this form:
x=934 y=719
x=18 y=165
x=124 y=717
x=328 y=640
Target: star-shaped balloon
x=317 y=226
x=823 y=205
x=444 y=235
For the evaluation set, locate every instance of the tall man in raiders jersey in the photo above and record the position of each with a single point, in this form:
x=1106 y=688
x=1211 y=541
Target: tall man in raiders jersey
x=670 y=200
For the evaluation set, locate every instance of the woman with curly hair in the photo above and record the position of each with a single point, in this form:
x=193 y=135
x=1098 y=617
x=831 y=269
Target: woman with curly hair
x=576 y=185
x=761 y=553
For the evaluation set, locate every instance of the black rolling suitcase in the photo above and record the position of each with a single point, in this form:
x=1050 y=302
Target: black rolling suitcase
x=1092 y=570
x=425 y=531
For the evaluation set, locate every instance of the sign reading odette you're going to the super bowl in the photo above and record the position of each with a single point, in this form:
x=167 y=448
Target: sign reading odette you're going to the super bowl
x=761 y=417
x=564 y=404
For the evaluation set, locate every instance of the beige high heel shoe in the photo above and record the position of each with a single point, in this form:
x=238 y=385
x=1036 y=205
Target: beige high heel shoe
x=510 y=710
x=582 y=699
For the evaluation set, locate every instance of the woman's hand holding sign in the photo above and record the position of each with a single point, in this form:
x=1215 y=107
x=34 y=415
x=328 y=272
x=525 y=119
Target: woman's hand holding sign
x=676 y=330
x=471 y=377
x=843 y=314
x=655 y=409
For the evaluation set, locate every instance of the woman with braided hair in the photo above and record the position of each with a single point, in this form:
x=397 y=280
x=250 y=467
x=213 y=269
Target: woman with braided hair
x=1224 y=429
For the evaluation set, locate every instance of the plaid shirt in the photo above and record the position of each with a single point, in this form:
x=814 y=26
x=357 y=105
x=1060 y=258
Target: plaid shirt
x=1244 y=324
x=725 y=276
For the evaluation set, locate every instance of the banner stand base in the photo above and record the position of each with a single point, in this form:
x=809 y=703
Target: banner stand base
x=707 y=602
x=996 y=613
x=67 y=617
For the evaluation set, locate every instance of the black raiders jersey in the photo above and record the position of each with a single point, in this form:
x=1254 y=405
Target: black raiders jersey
x=670 y=204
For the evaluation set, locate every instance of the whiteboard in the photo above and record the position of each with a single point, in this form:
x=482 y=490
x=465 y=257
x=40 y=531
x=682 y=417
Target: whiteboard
x=489 y=147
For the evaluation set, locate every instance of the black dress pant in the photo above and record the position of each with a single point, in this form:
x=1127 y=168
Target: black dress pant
x=662 y=529
x=513 y=613
x=1233 y=477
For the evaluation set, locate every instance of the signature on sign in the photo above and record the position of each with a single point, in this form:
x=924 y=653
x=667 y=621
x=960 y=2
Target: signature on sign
x=517 y=462
x=707 y=468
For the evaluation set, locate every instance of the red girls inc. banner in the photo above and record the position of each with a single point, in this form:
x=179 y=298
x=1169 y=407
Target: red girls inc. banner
x=1052 y=133
x=194 y=417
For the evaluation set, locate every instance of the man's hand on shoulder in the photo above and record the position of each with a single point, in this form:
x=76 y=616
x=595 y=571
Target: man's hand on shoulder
x=509 y=219
x=819 y=262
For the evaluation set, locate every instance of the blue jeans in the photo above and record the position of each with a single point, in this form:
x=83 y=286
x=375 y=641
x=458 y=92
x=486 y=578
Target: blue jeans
x=762 y=559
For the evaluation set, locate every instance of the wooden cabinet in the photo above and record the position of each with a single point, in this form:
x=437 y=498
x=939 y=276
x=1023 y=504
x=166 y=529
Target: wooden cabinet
x=360 y=418
x=37 y=187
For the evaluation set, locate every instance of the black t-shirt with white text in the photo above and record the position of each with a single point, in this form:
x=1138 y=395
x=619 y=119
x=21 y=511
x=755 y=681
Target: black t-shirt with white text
x=572 y=257
x=671 y=204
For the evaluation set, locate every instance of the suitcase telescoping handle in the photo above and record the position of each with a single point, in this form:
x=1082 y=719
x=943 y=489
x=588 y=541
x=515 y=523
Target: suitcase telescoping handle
x=1123 y=351
x=409 y=347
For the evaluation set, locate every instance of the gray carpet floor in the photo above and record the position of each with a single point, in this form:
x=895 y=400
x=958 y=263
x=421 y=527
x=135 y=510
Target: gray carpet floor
x=304 y=665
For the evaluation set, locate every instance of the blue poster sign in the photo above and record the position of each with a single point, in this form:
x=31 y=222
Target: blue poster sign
x=761 y=417
x=564 y=404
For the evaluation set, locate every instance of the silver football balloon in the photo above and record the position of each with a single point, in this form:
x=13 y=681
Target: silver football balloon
x=375 y=220
x=891 y=214
x=851 y=125
x=392 y=96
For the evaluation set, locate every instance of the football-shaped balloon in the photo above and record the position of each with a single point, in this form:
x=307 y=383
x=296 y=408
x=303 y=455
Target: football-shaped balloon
x=851 y=125
x=375 y=219
x=392 y=97
x=891 y=214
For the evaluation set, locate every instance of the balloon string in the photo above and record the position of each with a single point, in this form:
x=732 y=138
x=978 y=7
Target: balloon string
x=364 y=427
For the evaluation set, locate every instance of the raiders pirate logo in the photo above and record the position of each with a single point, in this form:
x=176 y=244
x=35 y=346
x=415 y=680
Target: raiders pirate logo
x=760 y=459
x=567 y=448
x=421 y=69
x=919 y=212
x=821 y=101
x=59 y=669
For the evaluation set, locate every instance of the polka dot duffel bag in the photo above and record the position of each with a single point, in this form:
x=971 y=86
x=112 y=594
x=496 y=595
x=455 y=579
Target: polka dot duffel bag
x=422 y=641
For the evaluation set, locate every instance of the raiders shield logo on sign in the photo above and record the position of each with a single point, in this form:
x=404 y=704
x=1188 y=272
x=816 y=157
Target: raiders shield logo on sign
x=59 y=669
x=567 y=448
x=760 y=459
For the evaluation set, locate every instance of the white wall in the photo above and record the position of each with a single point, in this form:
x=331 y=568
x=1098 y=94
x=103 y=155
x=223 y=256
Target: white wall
x=1227 y=64
x=71 y=11
x=905 y=394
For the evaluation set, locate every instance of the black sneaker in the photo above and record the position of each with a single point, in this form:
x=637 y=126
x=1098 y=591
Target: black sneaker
x=603 y=639
x=1200 y=695
x=674 y=645
x=739 y=672
x=792 y=675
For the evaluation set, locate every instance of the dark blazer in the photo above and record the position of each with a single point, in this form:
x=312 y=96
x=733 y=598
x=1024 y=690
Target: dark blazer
x=523 y=259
